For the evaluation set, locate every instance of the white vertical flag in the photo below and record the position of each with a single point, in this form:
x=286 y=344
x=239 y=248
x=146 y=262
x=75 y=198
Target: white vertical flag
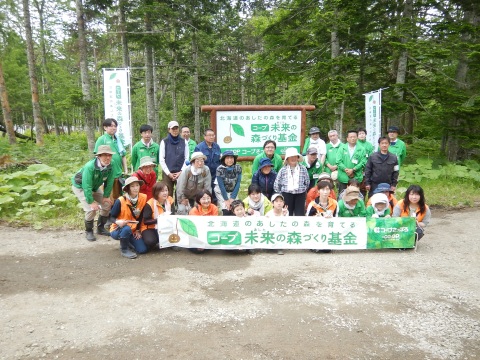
x=373 y=116
x=116 y=92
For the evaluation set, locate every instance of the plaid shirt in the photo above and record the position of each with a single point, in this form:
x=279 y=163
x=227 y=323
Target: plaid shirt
x=281 y=182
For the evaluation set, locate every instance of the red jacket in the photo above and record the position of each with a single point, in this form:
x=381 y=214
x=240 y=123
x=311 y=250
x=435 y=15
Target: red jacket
x=148 y=182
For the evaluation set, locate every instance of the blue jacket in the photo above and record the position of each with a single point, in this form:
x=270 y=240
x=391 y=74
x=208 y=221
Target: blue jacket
x=213 y=155
x=265 y=181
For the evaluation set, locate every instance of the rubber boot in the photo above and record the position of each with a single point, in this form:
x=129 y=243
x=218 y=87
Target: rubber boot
x=89 y=230
x=102 y=220
x=124 y=249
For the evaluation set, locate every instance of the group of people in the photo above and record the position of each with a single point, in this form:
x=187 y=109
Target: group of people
x=327 y=180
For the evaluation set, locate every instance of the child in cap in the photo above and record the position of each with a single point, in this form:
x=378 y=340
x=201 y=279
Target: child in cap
x=265 y=177
x=379 y=207
x=279 y=209
x=238 y=209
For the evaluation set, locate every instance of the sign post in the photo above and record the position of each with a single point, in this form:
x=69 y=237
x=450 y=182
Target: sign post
x=244 y=128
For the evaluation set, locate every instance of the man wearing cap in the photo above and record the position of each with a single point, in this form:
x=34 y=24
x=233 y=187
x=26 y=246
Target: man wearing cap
x=119 y=161
x=351 y=160
x=212 y=152
x=145 y=147
x=185 y=132
x=313 y=165
x=382 y=167
x=397 y=146
x=173 y=154
x=86 y=185
x=147 y=174
x=194 y=178
x=315 y=141
x=265 y=177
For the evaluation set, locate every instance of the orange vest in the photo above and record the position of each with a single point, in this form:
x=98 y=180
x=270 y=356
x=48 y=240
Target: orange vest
x=313 y=193
x=159 y=209
x=198 y=211
x=407 y=213
x=332 y=206
x=126 y=213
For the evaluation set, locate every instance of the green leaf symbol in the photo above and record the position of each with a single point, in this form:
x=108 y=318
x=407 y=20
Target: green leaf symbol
x=370 y=98
x=112 y=76
x=237 y=129
x=189 y=227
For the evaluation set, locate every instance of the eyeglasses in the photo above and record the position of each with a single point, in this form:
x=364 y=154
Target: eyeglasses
x=269 y=148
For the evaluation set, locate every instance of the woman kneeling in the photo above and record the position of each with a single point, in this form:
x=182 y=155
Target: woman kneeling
x=126 y=216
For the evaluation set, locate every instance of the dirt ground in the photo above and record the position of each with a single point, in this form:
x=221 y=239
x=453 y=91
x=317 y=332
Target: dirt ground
x=62 y=297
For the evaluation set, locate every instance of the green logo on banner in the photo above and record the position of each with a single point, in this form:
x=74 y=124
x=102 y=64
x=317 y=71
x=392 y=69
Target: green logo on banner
x=224 y=238
x=384 y=233
x=260 y=128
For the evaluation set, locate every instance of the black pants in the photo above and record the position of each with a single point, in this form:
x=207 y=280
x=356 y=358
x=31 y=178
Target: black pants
x=150 y=238
x=295 y=203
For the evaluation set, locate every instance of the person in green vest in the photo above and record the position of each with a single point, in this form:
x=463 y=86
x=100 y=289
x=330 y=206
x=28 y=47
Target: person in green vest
x=362 y=140
x=145 y=147
x=313 y=165
x=351 y=160
x=119 y=162
x=269 y=148
x=314 y=140
x=185 y=133
x=397 y=146
x=351 y=205
x=330 y=165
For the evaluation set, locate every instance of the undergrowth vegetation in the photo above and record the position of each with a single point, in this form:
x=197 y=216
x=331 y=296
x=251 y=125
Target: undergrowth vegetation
x=35 y=186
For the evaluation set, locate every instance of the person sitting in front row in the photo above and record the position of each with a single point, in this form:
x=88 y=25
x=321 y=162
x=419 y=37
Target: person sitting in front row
x=279 y=209
x=413 y=205
x=379 y=207
x=323 y=205
x=256 y=203
x=351 y=205
x=126 y=216
x=159 y=205
x=384 y=188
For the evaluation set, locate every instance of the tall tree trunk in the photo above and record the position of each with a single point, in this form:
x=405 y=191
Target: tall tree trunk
x=174 y=86
x=405 y=26
x=335 y=52
x=454 y=136
x=7 y=116
x=85 y=78
x=37 y=113
x=149 y=79
x=196 y=91
x=123 y=33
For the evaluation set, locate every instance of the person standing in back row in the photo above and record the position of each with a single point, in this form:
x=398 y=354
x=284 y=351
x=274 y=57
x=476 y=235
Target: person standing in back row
x=397 y=146
x=351 y=160
x=382 y=167
x=145 y=147
x=119 y=162
x=185 y=133
x=212 y=152
x=173 y=154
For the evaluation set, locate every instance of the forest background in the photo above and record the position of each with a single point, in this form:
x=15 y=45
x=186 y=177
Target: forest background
x=187 y=53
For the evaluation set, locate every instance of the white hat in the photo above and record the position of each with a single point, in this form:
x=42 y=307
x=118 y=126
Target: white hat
x=292 y=152
x=197 y=155
x=146 y=161
x=334 y=175
x=172 y=124
x=379 y=198
x=274 y=196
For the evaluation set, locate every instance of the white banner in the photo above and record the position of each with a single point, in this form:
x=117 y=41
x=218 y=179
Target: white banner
x=244 y=132
x=230 y=232
x=373 y=116
x=116 y=93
